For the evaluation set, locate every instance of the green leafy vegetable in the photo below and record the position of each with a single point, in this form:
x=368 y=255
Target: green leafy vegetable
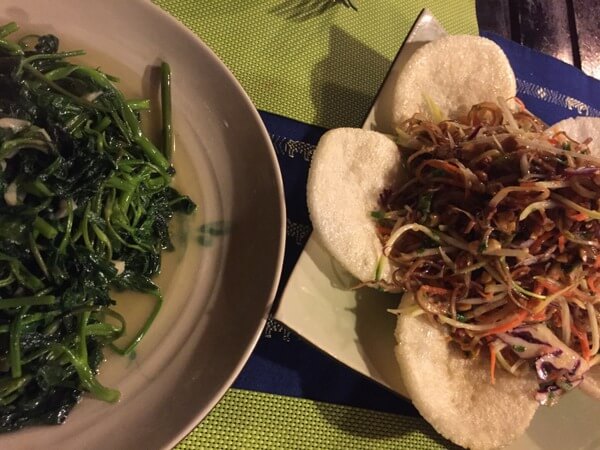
x=85 y=205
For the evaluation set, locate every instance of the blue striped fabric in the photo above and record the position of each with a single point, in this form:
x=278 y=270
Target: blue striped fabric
x=550 y=88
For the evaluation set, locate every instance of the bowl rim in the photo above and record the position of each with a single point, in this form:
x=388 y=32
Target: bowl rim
x=244 y=97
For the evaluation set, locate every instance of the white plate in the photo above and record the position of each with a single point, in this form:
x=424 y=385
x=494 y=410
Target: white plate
x=354 y=327
x=217 y=296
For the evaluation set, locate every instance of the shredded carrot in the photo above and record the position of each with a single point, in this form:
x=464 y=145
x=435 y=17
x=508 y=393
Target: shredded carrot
x=591 y=282
x=577 y=216
x=492 y=364
x=447 y=167
x=434 y=290
x=517 y=320
x=550 y=286
x=584 y=343
x=561 y=243
x=539 y=317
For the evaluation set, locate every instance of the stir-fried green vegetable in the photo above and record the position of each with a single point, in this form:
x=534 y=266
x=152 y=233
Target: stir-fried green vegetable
x=85 y=207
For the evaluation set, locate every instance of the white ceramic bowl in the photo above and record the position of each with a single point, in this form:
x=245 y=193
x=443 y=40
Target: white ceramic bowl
x=217 y=295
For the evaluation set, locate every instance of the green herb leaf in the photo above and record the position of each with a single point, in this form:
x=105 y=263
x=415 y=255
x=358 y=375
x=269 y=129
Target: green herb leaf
x=461 y=318
x=424 y=204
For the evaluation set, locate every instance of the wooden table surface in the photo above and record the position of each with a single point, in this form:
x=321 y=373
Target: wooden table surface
x=566 y=29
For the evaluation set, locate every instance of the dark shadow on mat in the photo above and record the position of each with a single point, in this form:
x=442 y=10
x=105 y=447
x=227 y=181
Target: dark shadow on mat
x=346 y=81
x=301 y=10
x=375 y=331
x=375 y=334
x=365 y=424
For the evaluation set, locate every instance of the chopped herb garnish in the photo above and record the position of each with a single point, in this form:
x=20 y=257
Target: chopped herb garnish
x=483 y=245
x=424 y=205
x=518 y=348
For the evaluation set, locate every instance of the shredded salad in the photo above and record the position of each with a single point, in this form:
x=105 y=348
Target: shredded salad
x=494 y=234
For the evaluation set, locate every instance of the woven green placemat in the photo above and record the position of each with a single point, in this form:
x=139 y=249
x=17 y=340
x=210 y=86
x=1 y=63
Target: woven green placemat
x=319 y=66
x=253 y=420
